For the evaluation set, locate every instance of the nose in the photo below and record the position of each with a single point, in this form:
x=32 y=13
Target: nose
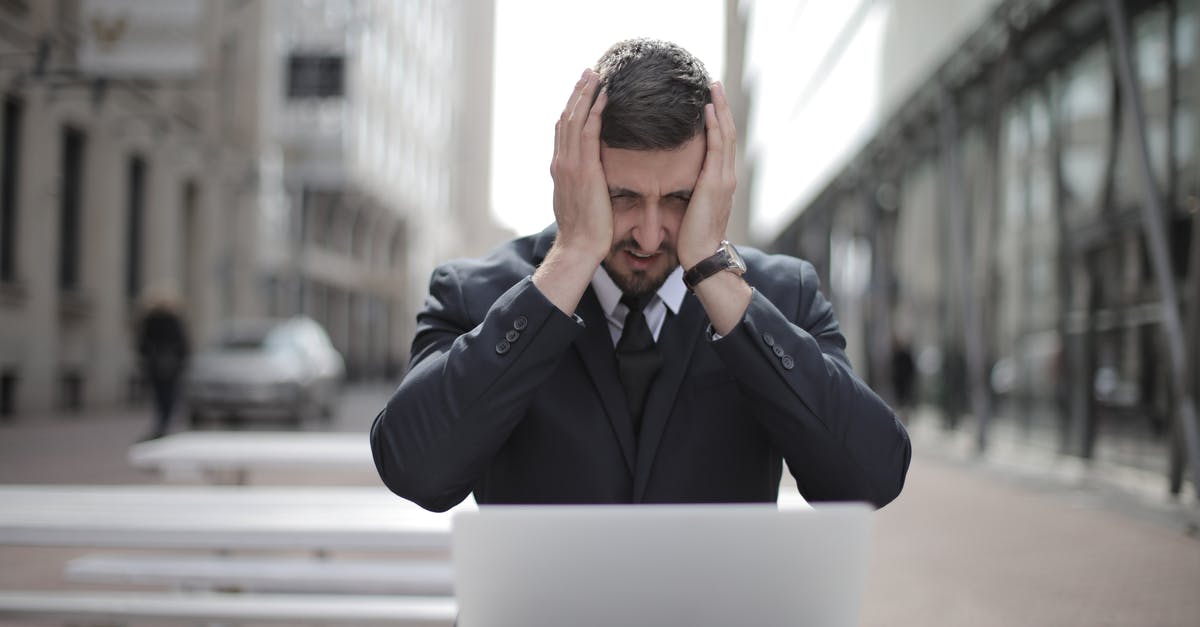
x=648 y=233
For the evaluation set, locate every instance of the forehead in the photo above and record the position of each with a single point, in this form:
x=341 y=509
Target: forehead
x=654 y=171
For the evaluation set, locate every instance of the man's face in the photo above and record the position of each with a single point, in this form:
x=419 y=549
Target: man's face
x=650 y=190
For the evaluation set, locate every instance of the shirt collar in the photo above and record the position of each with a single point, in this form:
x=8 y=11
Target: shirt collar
x=671 y=292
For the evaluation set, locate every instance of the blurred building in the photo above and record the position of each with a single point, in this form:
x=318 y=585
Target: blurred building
x=256 y=157
x=1010 y=187
x=377 y=147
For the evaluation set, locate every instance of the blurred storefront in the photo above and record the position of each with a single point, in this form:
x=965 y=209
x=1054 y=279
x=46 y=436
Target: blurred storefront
x=375 y=142
x=1022 y=212
x=258 y=158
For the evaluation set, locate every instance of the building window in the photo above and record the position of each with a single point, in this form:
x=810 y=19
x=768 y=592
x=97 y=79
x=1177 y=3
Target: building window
x=1152 y=55
x=70 y=199
x=1084 y=109
x=227 y=103
x=70 y=392
x=396 y=250
x=1186 y=123
x=10 y=175
x=8 y=393
x=136 y=198
x=315 y=76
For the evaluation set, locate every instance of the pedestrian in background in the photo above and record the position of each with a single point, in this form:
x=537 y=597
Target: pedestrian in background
x=904 y=377
x=163 y=348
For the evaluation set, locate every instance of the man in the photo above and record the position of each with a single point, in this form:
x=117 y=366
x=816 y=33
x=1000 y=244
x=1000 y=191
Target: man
x=541 y=374
x=162 y=345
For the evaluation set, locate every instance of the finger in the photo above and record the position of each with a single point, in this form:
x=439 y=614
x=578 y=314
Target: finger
x=724 y=114
x=575 y=91
x=554 y=157
x=560 y=136
x=580 y=110
x=728 y=130
x=590 y=136
x=714 y=157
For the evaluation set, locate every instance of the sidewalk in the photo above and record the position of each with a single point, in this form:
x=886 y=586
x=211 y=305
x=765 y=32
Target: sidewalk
x=967 y=543
x=966 y=546
x=73 y=448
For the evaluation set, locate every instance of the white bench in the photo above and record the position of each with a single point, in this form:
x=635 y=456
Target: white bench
x=267 y=573
x=189 y=608
x=319 y=519
x=234 y=456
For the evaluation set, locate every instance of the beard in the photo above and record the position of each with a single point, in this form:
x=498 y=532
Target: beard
x=636 y=282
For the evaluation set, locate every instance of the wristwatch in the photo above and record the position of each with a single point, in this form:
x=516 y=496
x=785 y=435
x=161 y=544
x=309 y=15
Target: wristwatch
x=726 y=258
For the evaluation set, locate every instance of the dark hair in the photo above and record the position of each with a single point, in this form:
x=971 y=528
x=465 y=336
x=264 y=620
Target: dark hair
x=656 y=95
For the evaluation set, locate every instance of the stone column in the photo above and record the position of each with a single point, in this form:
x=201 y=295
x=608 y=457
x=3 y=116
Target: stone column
x=112 y=362
x=37 y=262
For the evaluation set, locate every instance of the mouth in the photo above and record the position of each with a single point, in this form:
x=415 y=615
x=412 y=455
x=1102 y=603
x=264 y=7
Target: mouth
x=632 y=258
x=640 y=261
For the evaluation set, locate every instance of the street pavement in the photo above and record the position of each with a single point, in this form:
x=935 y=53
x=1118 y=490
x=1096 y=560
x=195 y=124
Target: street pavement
x=969 y=542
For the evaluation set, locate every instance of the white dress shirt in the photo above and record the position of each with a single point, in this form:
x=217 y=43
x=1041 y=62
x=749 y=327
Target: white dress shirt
x=669 y=296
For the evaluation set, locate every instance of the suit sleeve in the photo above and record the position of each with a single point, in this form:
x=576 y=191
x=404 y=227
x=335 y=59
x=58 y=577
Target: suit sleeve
x=840 y=440
x=467 y=387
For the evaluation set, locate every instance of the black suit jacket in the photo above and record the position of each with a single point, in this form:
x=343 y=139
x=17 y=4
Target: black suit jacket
x=511 y=399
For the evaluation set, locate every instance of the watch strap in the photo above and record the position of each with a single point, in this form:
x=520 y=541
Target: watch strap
x=706 y=268
x=726 y=258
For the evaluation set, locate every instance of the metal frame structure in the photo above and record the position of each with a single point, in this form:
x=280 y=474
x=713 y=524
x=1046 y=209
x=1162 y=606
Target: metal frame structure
x=1018 y=55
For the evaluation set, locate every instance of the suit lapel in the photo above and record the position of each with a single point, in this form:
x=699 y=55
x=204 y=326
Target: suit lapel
x=677 y=341
x=595 y=349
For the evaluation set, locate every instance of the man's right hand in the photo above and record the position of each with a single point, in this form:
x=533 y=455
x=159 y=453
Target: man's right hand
x=581 y=205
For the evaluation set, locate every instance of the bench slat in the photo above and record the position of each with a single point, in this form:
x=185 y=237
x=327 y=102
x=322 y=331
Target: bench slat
x=261 y=608
x=224 y=455
x=219 y=517
x=268 y=574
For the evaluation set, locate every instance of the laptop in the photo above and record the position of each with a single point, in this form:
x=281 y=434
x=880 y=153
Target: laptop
x=661 y=565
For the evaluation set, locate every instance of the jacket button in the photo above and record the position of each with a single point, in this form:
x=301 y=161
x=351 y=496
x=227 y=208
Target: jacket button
x=787 y=362
x=502 y=347
x=768 y=339
x=512 y=335
x=520 y=323
x=778 y=350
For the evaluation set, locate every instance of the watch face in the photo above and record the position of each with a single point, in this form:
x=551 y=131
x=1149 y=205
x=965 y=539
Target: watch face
x=736 y=263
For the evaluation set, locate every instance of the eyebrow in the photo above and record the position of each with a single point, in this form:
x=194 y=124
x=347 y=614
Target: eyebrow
x=685 y=194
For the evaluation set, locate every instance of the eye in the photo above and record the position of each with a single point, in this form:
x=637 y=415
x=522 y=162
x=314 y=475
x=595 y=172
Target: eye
x=677 y=201
x=622 y=200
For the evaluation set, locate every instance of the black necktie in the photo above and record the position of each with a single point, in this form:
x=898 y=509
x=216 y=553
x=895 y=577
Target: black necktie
x=638 y=359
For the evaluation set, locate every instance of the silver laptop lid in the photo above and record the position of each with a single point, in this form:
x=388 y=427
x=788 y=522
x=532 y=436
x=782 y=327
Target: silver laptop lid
x=691 y=565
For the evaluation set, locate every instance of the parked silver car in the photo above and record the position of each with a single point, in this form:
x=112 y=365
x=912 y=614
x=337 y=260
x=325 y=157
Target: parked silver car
x=282 y=368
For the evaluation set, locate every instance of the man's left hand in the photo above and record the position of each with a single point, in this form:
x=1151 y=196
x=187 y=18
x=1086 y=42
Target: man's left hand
x=724 y=296
x=707 y=215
